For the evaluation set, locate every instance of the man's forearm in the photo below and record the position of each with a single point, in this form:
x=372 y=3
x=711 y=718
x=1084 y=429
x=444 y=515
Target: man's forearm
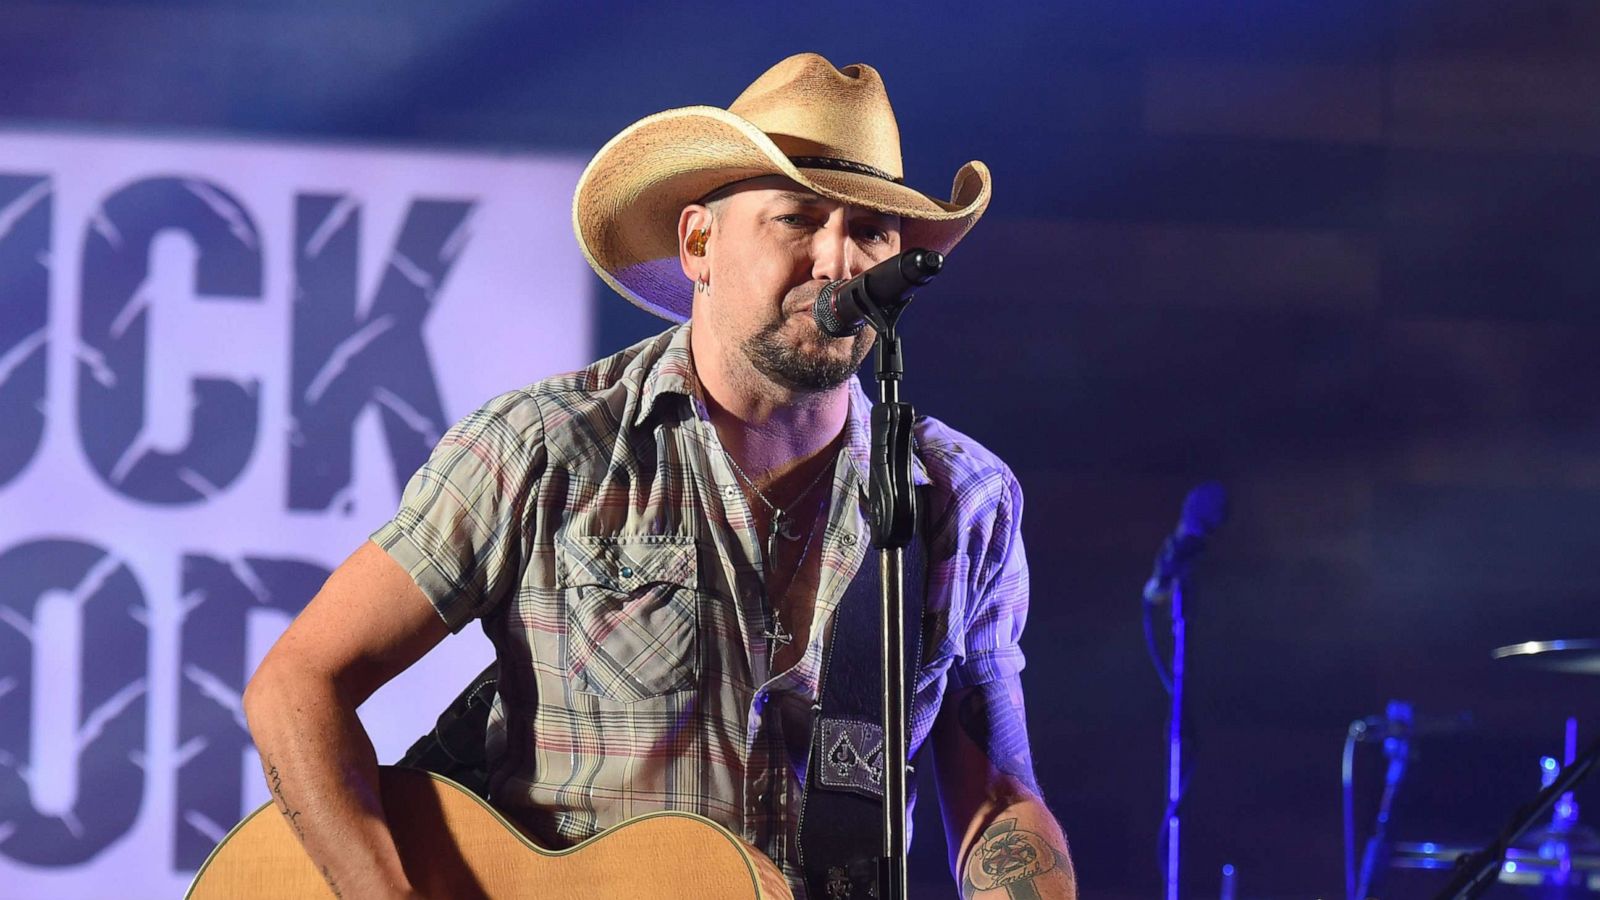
x=323 y=775
x=1019 y=854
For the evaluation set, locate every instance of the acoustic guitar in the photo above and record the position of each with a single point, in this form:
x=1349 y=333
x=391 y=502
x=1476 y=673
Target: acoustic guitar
x=453 y=845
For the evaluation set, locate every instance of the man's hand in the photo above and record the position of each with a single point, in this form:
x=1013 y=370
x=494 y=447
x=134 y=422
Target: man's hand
x=1005 y=843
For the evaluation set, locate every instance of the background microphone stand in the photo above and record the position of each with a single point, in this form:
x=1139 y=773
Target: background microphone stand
x=1204 y=509
x=1175 y=773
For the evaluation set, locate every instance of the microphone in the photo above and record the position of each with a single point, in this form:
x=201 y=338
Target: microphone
x=1204 y=509
x=841 y=308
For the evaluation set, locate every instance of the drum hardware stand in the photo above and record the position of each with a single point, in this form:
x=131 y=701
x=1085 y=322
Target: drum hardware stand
x=1400 y=718
x=1477 y=872
x=1565 y=833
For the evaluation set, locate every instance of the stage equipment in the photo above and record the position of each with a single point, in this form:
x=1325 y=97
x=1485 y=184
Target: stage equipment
x=1576 y=657
x=1476 y=871
x=1523 y=867
x=1394 y=730
x=878 y=296
x=1204 y=509
x=1564 y=834
x=844 y=307
x=1395 y=727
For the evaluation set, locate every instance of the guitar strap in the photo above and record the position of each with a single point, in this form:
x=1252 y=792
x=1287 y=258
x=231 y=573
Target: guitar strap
x=841 y=810
x=455 y=746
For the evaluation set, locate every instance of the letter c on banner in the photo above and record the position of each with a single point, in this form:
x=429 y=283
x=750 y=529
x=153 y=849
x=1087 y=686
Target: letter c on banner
x=73 y=699
x=118 y=291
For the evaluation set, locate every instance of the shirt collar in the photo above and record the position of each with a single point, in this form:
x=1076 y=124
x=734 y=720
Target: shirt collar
x=672 y=373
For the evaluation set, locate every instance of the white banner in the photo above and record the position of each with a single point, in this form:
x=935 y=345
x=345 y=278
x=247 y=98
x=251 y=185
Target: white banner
x=219 y=362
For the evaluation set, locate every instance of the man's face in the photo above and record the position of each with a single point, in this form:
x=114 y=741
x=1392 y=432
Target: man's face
x=773 y=247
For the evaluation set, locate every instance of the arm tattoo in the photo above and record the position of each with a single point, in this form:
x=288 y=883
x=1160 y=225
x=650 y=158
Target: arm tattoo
x=328 y=877
x=275 y=781
x=991 y=714
x=1008 y=859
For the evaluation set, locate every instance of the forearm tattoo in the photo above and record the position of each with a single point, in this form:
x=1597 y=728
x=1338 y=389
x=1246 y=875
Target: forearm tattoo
x=292 y=816
x=1011 y=860
x=992 y=715
x=332 y=886
x=275 y=782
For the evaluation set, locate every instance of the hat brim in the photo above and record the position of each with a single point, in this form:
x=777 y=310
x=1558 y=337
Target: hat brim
x=626 y=207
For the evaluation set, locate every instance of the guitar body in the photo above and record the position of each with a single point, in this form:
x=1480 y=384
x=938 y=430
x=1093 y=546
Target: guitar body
x=454 y=845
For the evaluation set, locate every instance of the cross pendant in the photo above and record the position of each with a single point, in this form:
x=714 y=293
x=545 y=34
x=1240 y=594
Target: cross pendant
x=777 y=634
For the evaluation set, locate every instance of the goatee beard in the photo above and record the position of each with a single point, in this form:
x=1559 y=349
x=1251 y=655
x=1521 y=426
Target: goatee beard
x=790 y=367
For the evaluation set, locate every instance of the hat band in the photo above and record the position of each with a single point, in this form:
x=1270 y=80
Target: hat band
x=842 y=165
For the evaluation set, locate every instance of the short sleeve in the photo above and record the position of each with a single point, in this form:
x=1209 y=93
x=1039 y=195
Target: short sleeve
x=997 y=608
x=461 y=529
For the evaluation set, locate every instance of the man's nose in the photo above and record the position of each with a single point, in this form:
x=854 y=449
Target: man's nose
x=834 y=256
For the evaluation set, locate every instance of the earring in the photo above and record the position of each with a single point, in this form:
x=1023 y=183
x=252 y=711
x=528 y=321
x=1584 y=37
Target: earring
x=703 y=285
x=696 y=244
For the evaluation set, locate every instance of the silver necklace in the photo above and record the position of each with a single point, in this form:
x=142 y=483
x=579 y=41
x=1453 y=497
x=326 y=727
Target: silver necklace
x=777 y=634
x=781 y=520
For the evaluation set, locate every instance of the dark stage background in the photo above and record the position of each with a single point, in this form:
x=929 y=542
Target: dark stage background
x=1344 y=257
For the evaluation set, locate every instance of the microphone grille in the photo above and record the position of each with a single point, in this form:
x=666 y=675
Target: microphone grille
x=827 y=314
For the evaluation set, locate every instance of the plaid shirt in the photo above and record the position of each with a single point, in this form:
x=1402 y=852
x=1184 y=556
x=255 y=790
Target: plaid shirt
x=593 y=524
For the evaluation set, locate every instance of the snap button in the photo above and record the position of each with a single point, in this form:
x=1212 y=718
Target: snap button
x=849 y=540
x=626 y=572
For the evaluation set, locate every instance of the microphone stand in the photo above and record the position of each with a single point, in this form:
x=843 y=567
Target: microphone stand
x=1175 y=741
x=1204 y=509
x=893 y=502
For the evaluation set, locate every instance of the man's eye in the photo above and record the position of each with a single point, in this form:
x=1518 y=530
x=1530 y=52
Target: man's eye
x=795 y=219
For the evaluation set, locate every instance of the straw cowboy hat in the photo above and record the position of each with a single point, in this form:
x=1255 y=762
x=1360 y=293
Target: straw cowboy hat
x=831 y=130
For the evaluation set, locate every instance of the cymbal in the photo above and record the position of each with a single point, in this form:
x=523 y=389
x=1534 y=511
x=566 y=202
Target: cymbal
x=1580 y=657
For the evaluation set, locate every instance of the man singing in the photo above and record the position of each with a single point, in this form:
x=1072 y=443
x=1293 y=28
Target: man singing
x=657 y=545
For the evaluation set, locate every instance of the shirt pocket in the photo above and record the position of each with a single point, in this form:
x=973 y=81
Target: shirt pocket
x=632 y=614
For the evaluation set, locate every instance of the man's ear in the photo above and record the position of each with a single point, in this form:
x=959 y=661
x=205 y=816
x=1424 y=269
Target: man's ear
x=695 y=217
